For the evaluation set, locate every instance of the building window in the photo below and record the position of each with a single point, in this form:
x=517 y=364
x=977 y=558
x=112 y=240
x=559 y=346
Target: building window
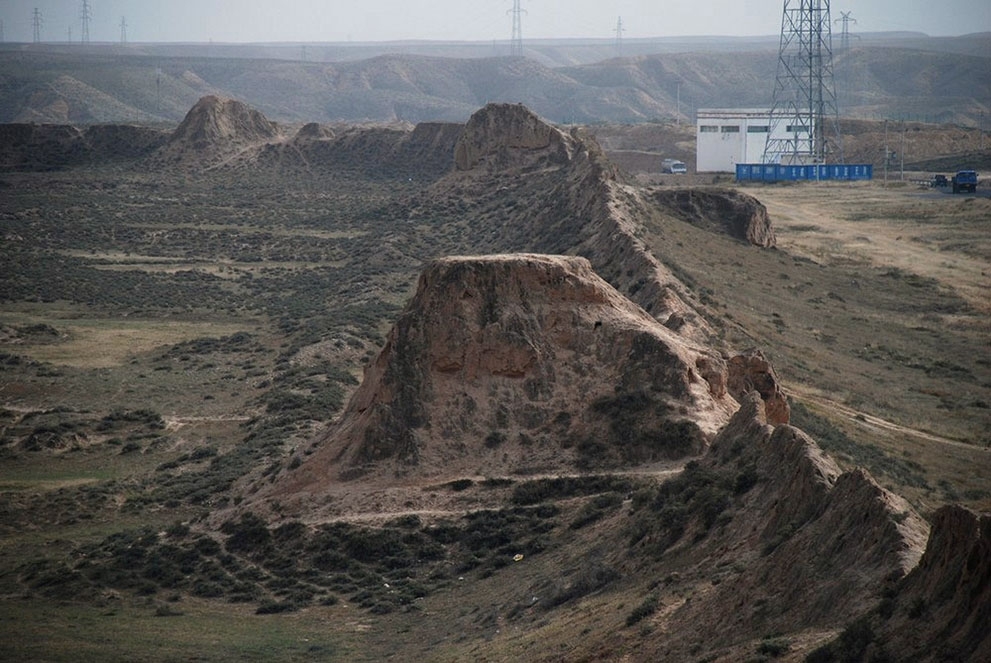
x=730 y=129
x=708 y=129
x=797 y=129
x=758 y=129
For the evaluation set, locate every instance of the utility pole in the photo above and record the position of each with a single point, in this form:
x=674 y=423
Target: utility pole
x=619 y=36
x=123 y=30
x=85 y=15
x=886 y=153
x=516 y=46
x=36 y=22
x=846 y=19
x=901 y=152
x=804 y=98
x=68 y=34
x=1 y=32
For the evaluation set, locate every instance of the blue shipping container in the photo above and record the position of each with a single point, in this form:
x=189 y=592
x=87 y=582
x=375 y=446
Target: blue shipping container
x=771 y=172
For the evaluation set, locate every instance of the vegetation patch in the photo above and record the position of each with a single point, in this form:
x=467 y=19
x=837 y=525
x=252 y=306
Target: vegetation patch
x=284 y=568
x=699 y=497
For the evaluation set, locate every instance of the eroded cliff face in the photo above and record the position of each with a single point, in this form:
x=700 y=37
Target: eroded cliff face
x=503 y=364
x=941 y=611
x=501 y=136
x=800 y=545
x=720 y=210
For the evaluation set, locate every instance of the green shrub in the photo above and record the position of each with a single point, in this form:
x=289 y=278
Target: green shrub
x=647 y=608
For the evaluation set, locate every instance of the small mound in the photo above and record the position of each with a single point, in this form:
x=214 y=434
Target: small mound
x=216 y=128
x=313 y=131
x=503 y=136
x=515 y=364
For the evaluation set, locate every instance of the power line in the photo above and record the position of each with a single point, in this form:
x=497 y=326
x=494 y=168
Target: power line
x=619 y=36
x=516 y=45
x=85 y=15
x=846 y=19
x=36 y=22
x=804 y=97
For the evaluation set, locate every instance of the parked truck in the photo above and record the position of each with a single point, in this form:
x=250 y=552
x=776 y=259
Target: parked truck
x=964 y=181
x=673 y=166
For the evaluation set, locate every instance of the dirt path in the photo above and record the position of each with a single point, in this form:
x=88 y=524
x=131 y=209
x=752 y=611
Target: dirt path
x=865 y=419
x=455 y=505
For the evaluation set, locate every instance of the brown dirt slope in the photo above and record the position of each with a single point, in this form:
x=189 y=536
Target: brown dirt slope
x=812 y=546
x=508 y=364
x=942 y=609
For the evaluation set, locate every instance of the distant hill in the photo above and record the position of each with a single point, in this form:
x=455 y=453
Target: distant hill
x=913 y=77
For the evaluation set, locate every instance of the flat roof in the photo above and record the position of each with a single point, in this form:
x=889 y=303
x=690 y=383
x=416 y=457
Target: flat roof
x=732 y=112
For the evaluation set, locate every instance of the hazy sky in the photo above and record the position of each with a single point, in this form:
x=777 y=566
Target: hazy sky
x=475 y=20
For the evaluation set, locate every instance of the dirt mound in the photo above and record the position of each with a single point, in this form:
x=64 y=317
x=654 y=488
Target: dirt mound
x=313 y=130
x=215 y=129
x=720 y=210
x=501 y=136
x=519 y=363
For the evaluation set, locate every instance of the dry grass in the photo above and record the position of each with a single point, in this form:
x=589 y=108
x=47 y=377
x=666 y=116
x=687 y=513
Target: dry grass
x=105 y=343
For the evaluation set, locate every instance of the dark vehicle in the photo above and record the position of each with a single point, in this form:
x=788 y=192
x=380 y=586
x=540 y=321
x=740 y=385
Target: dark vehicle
x=965 y=180
x=939 y=181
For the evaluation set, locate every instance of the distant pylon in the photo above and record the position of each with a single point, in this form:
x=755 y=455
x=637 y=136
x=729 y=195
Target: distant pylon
x=619 y=36
x=804 y=98
x=123 y=30
x=1 y=32
x=516 y=46
x=846 y=19
x=85 y=16
x=36 y=22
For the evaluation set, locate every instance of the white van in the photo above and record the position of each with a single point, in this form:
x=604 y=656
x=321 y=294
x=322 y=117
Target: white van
x=673 y=166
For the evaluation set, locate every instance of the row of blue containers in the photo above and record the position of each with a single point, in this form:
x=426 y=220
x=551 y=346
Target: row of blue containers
x=772 y=172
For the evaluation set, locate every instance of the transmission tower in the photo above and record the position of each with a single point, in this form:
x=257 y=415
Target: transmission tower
x=804 y=98
x=85 y=16
x=123 y=30
x=1 y=32
x=516 y=46
x=619 y=36
x=36 y=22
x=846 y=20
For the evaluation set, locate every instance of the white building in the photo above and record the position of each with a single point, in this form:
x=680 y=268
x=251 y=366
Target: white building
x=728 y=136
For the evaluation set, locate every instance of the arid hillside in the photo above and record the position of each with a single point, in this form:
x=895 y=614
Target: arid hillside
x=472 y=392
x=934 y=81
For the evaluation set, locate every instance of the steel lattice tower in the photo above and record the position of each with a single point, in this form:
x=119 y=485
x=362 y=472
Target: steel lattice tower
x=84 y=16
x=36 y=23
x=123 y=30
x=845 y=19
x=804 y=97
x=619 y=36
x=516 y=46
